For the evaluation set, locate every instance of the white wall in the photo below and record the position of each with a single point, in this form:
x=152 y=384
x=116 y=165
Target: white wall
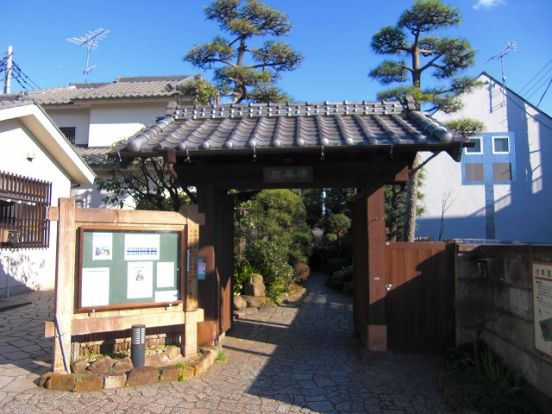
x=33 y=268
x=78 y=118
x=522 y=208
x=111 y=123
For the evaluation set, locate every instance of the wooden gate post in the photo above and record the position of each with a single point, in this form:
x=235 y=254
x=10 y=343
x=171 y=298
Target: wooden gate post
x=65 y=265
x=377 y=325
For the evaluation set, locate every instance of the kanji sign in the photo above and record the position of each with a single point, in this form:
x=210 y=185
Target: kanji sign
x=280 y=175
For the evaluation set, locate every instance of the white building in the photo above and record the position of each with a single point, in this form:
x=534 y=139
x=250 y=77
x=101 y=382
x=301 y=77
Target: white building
x=93 y=116
x=502 y=189
x=38 y=165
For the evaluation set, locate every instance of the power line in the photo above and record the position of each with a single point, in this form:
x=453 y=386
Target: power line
x=538 y=84
x=544 y=93
x=537 y=74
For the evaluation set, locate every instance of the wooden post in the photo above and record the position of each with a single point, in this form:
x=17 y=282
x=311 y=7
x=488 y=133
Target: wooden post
x=65 y=265
x=376 y=323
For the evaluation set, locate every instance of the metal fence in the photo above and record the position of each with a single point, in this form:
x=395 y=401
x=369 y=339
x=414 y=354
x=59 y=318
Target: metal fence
x=23 y=211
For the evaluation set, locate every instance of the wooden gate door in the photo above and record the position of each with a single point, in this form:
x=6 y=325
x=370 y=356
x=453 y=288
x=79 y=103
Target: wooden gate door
x=420 y=298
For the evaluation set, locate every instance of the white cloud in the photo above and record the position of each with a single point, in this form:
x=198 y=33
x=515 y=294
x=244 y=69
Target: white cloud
x=487 y=4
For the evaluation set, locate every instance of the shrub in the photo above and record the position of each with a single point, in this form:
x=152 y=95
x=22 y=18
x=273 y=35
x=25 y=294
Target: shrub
x=270 y=259
x=336 y=263
x=242 y=273
x=482 y=382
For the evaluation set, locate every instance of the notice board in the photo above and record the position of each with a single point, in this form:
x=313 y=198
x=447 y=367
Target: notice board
x=542 y=306
x=122 y=268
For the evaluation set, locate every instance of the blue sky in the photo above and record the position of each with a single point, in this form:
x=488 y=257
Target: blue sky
x=150 y=38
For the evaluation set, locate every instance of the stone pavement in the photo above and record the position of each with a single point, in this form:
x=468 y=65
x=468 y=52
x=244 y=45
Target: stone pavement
x=280 y=360
x=24 y=352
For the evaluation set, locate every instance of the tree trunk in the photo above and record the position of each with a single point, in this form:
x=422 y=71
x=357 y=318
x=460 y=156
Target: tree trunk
x=411 y=202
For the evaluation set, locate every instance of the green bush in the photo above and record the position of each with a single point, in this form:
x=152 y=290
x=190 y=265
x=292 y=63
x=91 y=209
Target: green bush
x=242 y=273
x=270 y=259
x=345 y=274
x=336 y=263
x=482 y=382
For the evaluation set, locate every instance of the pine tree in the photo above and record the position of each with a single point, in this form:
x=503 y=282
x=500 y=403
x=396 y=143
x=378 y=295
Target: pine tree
x=241 y=70
x=418 y=53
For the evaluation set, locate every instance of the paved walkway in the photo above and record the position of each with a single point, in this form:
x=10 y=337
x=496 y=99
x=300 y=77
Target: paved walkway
x=280 y=360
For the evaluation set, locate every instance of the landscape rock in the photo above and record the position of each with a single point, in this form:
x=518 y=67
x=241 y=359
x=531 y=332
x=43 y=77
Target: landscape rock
x=114 y=381
x=143 y=376
x=169 y=374
x=255 y=301
x=122 y=365
x=79 y=367
x=205 y=362
x=44 y=379
x=187 y=371
x=255 y=286
x=88 y=383
x=101 y=365
x=61 y=382
x=157 y=360
x=173 y=353
x=239 y=302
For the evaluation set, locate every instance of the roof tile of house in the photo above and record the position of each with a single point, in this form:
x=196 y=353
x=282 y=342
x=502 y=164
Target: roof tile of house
x=137 y=87
x=302 y=125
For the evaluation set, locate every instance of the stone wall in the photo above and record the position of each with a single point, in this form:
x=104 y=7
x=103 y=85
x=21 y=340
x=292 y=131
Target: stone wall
x=494 y=300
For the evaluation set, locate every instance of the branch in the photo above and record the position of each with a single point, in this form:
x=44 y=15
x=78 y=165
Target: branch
x=431 y=62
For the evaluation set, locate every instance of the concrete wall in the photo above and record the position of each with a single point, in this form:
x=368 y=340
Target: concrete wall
x=494 y=297
x=29 y=268
x=111 y=123
x=78 y=118
x=522 y=202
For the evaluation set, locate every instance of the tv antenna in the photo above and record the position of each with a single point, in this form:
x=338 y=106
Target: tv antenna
x=510 y=47
x=91 y=41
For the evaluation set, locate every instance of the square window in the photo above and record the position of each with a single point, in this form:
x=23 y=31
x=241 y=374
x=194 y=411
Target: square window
x=501 y=145
x=474 y=172
x=502 y=171
x=477 y=148
x=70 y=133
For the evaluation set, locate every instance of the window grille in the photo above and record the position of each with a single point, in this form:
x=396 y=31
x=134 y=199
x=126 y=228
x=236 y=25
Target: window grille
x=70 y=133
x=23 y=211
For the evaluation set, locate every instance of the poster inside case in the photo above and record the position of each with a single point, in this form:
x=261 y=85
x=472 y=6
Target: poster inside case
x=165 y=275
x=142 y=246
x=139 y=280
x=102 y=246
x=94 y=287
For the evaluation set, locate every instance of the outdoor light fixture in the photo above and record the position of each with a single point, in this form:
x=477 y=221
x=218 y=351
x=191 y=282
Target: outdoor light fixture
x=31 y=155
x=138 y=345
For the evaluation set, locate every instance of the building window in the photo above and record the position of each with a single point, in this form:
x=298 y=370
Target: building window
x=474 y=172
x=23 y=211
x=502 y=171
x=69 y=133
x=501 y=145
x=477 y=148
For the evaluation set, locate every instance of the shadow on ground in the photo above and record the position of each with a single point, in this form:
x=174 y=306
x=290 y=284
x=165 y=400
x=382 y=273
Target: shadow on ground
x=307 y=356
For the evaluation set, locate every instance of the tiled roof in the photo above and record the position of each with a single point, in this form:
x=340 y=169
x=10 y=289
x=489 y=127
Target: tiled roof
x=302 y=125
x=14 y=103
x=94 y=156
x=138 y=87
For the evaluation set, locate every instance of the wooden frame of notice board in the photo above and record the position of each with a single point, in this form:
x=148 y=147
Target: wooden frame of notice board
x=129 y=267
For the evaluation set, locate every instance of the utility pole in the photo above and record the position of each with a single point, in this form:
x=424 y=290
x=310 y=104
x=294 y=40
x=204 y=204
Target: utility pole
x=8 y=74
